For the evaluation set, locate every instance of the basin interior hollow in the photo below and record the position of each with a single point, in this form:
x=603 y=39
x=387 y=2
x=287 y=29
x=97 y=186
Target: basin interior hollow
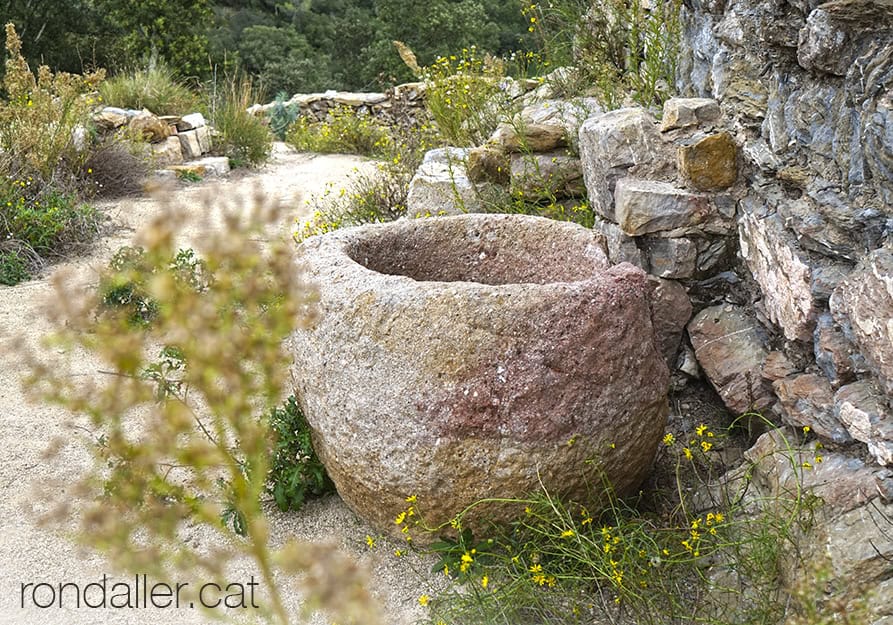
x=489 y=251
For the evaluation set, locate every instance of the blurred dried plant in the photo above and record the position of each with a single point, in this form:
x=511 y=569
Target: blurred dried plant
x=167 y=462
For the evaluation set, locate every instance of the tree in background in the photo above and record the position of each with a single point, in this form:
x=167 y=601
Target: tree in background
x=173 y=30
x=285 y=45
x=62 y=35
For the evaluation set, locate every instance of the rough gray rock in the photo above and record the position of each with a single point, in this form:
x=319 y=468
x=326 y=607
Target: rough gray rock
x=822 y=45
x=783 y=273
x=835 y=355
x=685 y=112
x=863 y=305
x=189 y=144
x=807 y=401
x=647 y=206
x=731 y=348
x=671 y=310
x=441 y=186
x=611 y=144
x=475 y=356
x=622 y=248
x=675 y=258
x=168 y=152
x=191 y=122
x=860 y=407
x=545 y=126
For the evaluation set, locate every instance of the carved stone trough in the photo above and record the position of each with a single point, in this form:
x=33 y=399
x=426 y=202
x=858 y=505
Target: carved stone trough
x=476 y=356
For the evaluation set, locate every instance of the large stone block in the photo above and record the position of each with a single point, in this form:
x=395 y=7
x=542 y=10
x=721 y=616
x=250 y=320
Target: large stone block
x=861 y=409
x=441 y=186
x=783 y=272
x=168 y=152
x=477 y=356
x=808 y=401
x=675 y=258
x=647 y=206
x=731 y=348
x=545 y=126
x=709 y=163
x=863 y=305
x=684 y=112
x=611 y=144
x=189 y=144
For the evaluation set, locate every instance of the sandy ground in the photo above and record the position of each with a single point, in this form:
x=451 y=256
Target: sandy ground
x=33 y=554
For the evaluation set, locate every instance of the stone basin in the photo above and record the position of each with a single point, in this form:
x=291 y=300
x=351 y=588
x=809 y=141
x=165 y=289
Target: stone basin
x=477 y=356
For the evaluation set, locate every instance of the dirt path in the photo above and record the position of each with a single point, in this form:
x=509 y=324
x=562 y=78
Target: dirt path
x=32 y=554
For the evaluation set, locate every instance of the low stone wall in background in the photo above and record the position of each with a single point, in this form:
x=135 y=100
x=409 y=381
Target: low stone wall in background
x=403 y=105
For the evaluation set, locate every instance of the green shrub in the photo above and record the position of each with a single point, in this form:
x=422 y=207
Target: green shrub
x=343 y=132
x=124 y=287
x=296 y=473
x=15 y=267
x=41 y=120
x=154 y=88
x=241 y=136
x=618 y=48
x=39 y=223
x=463 y=95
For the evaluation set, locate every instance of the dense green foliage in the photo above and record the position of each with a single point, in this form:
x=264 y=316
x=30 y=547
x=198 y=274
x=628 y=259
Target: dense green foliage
x=286 y=45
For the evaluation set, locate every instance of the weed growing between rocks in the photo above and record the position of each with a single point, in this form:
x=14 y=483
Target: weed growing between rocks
x=164 y=455
x=696 y=554
x=463 y=94
x=296 y=473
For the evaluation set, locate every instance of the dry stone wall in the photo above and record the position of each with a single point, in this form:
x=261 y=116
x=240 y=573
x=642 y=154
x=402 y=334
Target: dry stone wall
x=403 y=105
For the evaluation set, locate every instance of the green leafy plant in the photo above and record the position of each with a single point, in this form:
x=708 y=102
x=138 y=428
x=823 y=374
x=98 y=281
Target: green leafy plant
x=164 y=456
x=282 y=115
x=38 y=223
x=14 y=267
x=344 y=132
x=241 y=136
x=187 y=175
x=154 y=88
x=617 y=49
x=374 y=197
x=296 y=473
x=124 y=288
